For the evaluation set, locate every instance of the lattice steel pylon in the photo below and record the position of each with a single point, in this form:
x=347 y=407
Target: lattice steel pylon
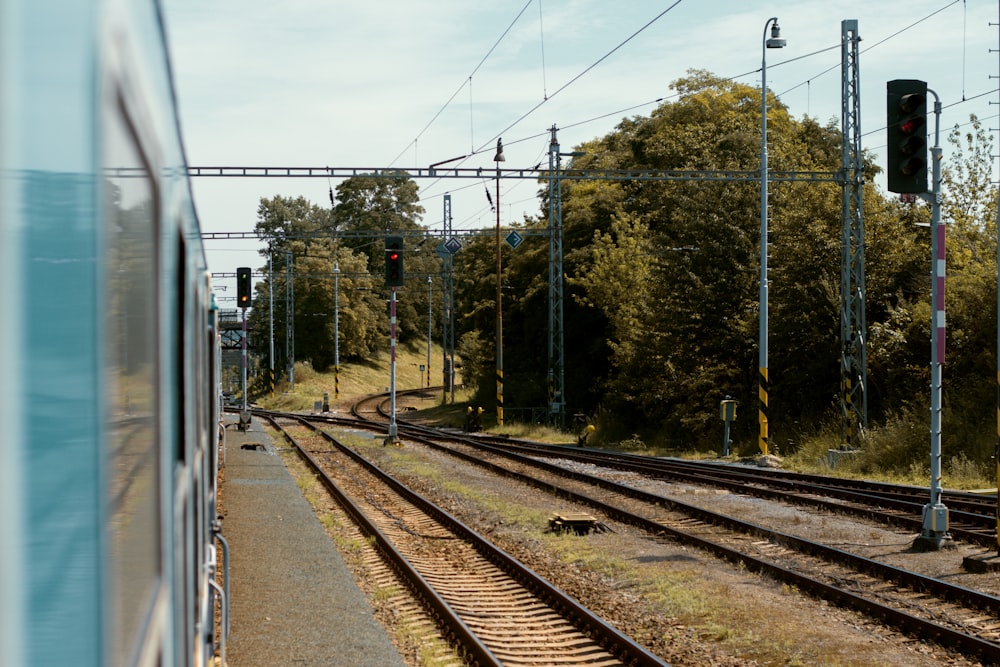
x=853 y=326
x=557 y=353
x=290 y=316
x=448 y=309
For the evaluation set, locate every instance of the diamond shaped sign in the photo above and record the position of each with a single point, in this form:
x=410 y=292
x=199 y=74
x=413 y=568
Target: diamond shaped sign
x=453 y=245
x=514 y=239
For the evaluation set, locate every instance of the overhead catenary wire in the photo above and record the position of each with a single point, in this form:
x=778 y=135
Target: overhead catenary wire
x=466 y=81
x=541 y=29
x=873 y=46
x=736 y=77
x=563 y=87
x=581 y=74
x=659 y=99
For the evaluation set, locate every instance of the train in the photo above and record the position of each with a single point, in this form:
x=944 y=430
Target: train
x=111 y=552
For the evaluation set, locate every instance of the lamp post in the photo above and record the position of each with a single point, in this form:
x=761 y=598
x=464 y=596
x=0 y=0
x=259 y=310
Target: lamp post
x=775 y=42
x=498 y=158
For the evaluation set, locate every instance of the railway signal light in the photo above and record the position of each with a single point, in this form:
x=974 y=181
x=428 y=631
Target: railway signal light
x=906 y=120
x=394 y=261
x=243 y=287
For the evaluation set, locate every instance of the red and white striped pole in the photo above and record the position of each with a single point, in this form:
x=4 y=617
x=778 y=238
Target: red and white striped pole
x=938 y=292
x=392 y=368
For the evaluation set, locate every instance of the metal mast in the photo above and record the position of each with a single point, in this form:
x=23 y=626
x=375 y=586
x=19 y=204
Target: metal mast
x=853 y=327
x=290 y=318
x=557 y=353
x=448 y=310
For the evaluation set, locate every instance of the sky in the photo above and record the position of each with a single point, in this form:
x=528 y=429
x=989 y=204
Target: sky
x=403 y=83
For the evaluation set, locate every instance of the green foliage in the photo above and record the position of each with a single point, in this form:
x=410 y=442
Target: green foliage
x=476 y=364
x=307 y=246
x=661 y=299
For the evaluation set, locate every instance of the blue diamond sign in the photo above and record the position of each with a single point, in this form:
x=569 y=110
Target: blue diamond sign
x=514 y=239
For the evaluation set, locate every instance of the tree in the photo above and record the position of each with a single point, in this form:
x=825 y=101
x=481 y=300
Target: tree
x=378 y=205
x=369 y=208
x=304 y=248
x=665 y=274
x=969 y=208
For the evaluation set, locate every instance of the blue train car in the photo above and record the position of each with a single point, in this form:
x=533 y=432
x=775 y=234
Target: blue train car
x=109 y=397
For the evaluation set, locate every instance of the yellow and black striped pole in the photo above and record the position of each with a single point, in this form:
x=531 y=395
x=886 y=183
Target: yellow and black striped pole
x=762 y=410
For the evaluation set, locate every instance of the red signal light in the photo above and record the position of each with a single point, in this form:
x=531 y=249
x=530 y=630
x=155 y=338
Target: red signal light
x=906 y=123
x=394 y=261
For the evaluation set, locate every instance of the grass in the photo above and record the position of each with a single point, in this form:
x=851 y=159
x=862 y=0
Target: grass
x=354 y=379
x=359 y=379
x=897 y=452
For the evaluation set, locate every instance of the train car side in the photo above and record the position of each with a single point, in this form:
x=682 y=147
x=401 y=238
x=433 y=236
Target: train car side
x=109 y=404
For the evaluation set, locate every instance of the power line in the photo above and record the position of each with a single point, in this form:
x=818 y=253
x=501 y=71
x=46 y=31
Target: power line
x=875 y=45
x=466 y=81
x=736 y=77
x=580 y=75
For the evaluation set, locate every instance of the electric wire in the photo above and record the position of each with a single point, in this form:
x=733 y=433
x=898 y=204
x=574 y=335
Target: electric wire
x=659 y=100
x=965 y=20
x=468 y=81
x=488 y=144
x=541 y=29
x=581 y=74
x=730 y=78
x=879 y=43
x=752 y=72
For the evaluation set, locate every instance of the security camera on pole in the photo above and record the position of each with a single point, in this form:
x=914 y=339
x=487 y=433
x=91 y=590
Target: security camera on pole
x=906 y=121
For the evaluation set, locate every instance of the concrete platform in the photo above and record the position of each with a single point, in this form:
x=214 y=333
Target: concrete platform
x=294 y=602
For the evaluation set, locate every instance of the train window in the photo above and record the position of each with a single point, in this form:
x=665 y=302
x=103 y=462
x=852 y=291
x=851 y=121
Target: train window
x=131 y=373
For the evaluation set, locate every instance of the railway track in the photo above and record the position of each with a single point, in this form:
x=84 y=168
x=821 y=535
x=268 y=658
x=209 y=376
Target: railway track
x=963 y=619
x=922 y=606
x=492 y=609
x=954 y=616
x=972 y=516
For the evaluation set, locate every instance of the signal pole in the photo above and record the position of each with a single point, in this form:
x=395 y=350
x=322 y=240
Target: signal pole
x=393 y=279
x=336 y=330
x=391 y=433
x=243 y=299
x=935 y=524
x=906 y=171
